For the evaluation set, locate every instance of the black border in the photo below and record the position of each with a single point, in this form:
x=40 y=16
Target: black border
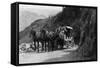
x=15 y=32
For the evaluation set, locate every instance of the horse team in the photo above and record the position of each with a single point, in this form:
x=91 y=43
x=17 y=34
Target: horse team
x=48 y=40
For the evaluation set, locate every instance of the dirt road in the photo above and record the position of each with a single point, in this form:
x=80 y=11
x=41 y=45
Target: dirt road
x=42 y=57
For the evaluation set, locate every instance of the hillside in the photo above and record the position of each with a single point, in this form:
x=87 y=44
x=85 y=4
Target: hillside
x=26 y=18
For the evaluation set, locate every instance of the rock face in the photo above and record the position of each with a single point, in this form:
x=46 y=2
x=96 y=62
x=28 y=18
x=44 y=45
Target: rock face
x=83 y=21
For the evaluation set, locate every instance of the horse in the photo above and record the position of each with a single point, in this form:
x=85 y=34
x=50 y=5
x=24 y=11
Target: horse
x=40 y=36
x=58 y=39
x=33 y=35
x=36 y=38
x=43 y=39
x=61 y=39
x=50 y=40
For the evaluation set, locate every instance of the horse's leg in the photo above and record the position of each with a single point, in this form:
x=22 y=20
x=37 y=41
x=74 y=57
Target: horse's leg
x=34 y=45
x=49 y=45
x=52 y=45
x=45 y=45
x=55 y=43
x=42 y=45
x=61 y=44
x=36 y=42
x=38 y=45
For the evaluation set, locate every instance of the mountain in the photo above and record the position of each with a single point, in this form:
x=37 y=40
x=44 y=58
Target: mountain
x=26 y=18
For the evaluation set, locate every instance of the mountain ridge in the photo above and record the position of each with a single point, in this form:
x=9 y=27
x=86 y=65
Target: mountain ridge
x=26 y=18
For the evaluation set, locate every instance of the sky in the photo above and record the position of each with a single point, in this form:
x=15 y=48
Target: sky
x=43 y=10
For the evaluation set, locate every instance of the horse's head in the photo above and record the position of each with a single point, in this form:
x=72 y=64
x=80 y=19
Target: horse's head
x=38 y=34
x=51 y=33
